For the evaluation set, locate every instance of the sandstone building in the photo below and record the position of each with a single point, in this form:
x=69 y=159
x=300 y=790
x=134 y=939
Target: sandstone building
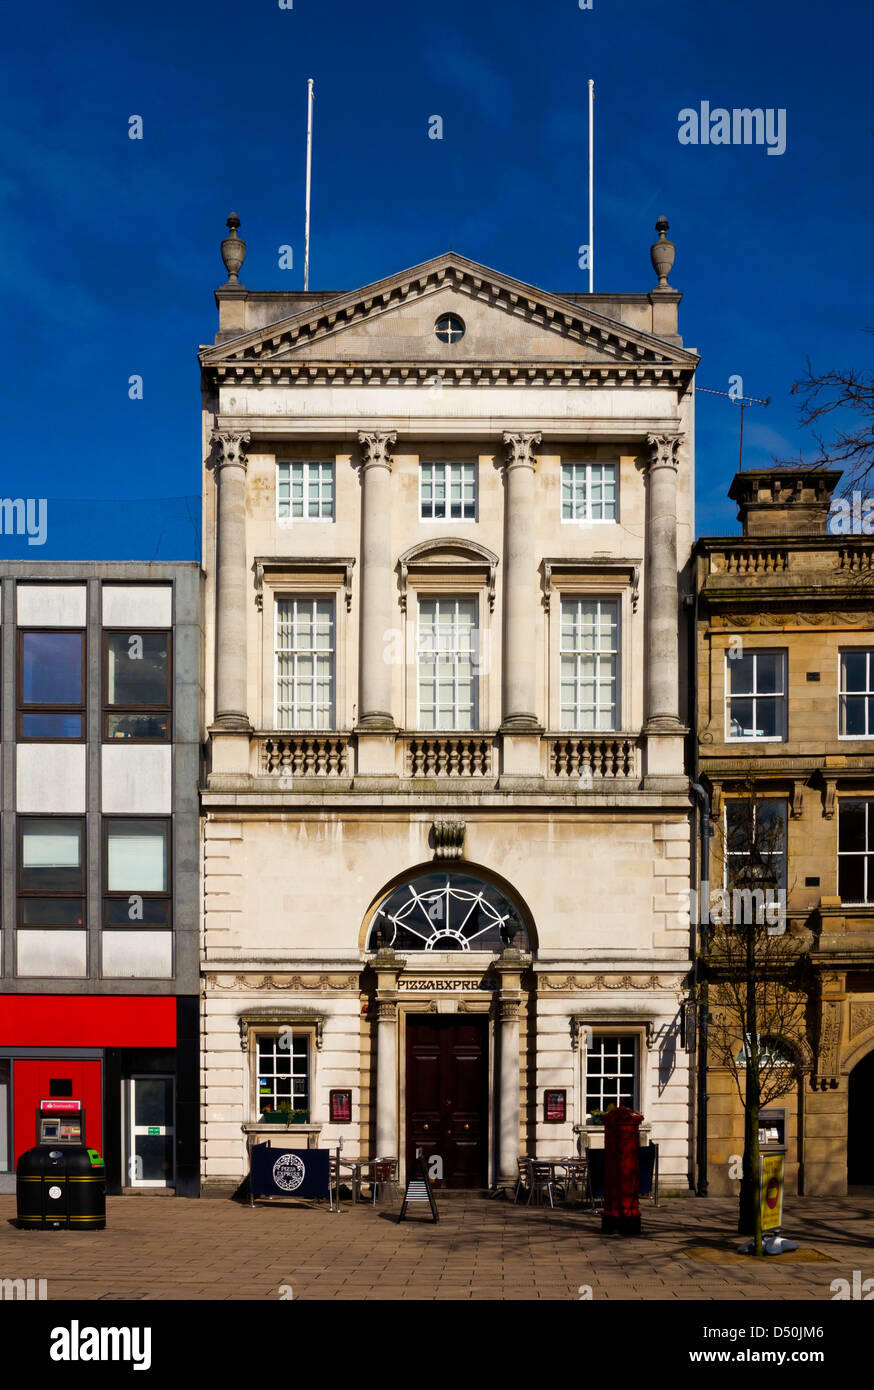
x=785 y=698
x=446 y=817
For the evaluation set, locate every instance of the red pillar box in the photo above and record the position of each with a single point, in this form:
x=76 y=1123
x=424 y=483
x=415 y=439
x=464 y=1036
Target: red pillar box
x=621 y=1172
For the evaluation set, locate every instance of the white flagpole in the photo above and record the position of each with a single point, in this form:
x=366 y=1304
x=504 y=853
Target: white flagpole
x=591 y=186
x=306 y=252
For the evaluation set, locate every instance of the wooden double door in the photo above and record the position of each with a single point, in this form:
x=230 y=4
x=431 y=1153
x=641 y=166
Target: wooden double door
x=447 y=1097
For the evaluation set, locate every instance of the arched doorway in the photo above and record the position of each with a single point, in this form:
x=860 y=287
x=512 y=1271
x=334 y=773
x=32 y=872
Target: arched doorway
x=860 y=1124
x=453 y=1055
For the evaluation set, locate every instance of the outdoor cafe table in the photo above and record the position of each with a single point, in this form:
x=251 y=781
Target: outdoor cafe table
x=356 y=1166
x=556 y=1163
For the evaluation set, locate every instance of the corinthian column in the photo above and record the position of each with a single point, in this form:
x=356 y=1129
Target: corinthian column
x=376 y=581
x=662 y=605
x=230 y=642
x=519 y=686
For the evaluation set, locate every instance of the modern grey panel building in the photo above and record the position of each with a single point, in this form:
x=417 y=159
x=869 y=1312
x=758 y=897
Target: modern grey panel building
x=101 y=737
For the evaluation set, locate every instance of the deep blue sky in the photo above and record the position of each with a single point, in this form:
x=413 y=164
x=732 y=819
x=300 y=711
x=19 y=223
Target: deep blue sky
x=110 y=247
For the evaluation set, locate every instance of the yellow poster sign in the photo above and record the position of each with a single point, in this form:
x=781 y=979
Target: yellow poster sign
x=772 y=1173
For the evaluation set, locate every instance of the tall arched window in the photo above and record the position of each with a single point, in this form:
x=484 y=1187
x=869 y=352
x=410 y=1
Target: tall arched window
x=446 y=912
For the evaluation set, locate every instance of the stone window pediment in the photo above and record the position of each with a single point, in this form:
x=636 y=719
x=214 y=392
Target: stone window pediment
x=272 y=1019
x=448 y=557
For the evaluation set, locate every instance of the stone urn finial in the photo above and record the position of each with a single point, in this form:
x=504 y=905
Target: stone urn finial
x=662 y=253
x=233 y=250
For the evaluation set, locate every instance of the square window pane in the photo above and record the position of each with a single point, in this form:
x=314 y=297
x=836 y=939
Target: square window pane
x=854 y=711
x=768 y=717
x=137 y=856
x=742 y=724
x=854 y=670
x=740 y=674
x=137 y=668
x=51 y=668
x=851 y=878
x=851 y=826
x=769 y=671
x=51 y=856
x=740 y=826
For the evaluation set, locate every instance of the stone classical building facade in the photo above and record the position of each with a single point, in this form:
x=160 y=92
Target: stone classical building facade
x=785 y=617
x=446 y=817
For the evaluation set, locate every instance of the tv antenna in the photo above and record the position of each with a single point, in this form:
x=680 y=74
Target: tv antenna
x=743 y=401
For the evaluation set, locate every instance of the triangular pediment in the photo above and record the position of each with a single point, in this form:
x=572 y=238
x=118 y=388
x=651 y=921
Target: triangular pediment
x=391 y=324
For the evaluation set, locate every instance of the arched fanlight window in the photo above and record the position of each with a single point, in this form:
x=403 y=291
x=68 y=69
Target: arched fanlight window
x=446 y=912
x=772 y=1053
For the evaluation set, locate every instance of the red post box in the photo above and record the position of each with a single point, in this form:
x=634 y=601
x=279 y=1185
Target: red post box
x=621 y=1172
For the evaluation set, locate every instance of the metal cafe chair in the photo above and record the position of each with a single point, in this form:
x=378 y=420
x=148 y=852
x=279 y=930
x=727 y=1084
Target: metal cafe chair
x=577 y=1177
x=523 y=1180
x=384 y=1174
x=542 y=1179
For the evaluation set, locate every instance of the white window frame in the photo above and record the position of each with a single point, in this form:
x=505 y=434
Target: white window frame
x=450 y=601
x=575 y=468
x=604 y=1035
x=313 y=600
x=782 y=697
x=729 y=856
x=598 y=600
x=273 y=1036
x=865 y=854
x=868 y=693
x=324 y=468
x=468 y=470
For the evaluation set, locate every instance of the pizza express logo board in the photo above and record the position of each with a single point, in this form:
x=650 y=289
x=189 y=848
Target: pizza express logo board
x=288 y=1172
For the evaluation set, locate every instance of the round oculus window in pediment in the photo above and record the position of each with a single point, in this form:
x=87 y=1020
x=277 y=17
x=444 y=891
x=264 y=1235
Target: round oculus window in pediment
x=449 y=328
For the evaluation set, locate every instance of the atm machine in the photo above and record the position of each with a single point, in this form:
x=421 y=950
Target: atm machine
x=60 y=1122
x=60 y=1184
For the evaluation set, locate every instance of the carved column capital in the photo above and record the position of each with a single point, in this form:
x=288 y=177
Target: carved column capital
x=229 y=449
x=520 y=449
x=386 y=1010
x=376 y=448
x=508 y=1010
x=664 y=449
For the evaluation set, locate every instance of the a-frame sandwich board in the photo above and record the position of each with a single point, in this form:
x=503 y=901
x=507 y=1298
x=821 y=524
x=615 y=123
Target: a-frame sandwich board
x=418 y=1189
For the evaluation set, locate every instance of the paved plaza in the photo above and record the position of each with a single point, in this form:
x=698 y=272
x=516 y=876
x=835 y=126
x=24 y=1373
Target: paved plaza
x=165 y=1248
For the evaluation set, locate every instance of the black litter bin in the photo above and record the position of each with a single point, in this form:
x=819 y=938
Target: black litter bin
x=61 y=1189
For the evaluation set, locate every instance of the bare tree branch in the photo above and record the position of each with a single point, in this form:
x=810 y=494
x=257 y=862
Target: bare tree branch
x=843 y=400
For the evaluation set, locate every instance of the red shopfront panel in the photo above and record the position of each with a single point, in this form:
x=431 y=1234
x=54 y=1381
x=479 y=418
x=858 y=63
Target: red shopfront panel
x=81 y=1020
x=32 y=1082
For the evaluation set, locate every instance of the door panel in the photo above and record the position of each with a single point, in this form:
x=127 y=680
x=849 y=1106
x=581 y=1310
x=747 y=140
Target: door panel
x=152 y=1132
x=447 y=1096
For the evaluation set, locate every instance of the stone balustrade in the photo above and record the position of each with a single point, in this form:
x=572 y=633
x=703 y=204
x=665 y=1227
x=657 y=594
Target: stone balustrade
x=604 y=755
x=568 y=757
x=449 y=755
x=303 y=755
x=742 y=560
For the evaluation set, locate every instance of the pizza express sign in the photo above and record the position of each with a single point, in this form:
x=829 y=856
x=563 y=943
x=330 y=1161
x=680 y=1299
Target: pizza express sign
x=289 y=1172
x=438 y=985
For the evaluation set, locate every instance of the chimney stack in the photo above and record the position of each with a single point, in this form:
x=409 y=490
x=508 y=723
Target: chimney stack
x=784 y=501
